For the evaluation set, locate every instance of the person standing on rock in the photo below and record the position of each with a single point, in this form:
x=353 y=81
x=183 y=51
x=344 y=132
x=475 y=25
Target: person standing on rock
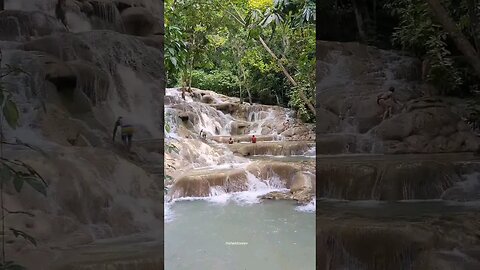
x=183 y=93
x=286 y=124
x=387 y=102
x=254 y=139
x=60 y=12
x=126 y=132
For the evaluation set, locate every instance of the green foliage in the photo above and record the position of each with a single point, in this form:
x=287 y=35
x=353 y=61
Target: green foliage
x=260 y=4
x=8 y=108
x=418 y=31
x=175 y=52
x=15 y=172
x=24 y=235
x=19 y=174
x=223 y=52
x=221 y=81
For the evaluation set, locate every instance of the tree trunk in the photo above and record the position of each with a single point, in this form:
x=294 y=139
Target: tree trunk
x=249 y=95
x=190 y=74
x=460 y=40
x=289 y=77
x=191 y=65
x=244 y=82
x=360 y=22
x=239 y=18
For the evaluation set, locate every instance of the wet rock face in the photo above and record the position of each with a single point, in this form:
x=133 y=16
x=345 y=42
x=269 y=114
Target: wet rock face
x=17 y=25
x=359 y=243
x=395 y=180
x=331 y=144
x=78 y=83
x=427 y=126
x=351 y=75
x=86 y=186
x=327 y=122
x=268 y=148
x=220 y=115
x=204 y=183
x=199 y=185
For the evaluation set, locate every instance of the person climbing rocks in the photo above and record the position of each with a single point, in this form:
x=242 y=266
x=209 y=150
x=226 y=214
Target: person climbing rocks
x=60 y=12
x=286 y=124
x=183 y=93
x=230 y=141
x=387 y=102
x=126 y=131
x=203 y=134
x=254 y=139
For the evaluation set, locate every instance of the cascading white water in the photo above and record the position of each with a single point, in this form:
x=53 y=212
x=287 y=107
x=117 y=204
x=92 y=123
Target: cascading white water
x=256 y=188
x=258 y=120
x=207 y=118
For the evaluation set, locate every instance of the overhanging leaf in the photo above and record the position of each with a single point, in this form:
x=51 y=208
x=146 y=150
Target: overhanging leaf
x=5 y=173
x=24 y=235
x=18 y=183
x=11 y=113
x=174 y=61
x=36 y=184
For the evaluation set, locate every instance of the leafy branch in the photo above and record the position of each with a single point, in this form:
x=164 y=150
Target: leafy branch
x=14 y=172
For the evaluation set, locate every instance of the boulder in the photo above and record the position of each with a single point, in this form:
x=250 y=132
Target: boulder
x=331 y=144
x=277 y=195
x=139 y=21
x=427 y=126
x=302 y=181
x=238 y=127
x=207 y=99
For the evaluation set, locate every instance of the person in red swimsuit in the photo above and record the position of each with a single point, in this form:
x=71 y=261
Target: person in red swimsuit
x=254 y=139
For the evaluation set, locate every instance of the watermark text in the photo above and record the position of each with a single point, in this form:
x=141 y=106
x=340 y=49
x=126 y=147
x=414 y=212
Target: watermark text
x=236 y=243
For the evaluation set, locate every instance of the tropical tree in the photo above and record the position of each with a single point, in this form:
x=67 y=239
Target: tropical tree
x=245 y=48
x=445 y=40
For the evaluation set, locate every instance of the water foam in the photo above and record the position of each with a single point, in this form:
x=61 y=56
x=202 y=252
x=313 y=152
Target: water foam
x=168 y=214
x=309 y=208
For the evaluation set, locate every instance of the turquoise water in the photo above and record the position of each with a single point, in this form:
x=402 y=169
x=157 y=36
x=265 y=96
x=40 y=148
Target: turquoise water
x=269 y=235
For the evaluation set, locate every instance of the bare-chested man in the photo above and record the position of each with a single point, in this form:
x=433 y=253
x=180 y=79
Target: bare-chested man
x=387 y=102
